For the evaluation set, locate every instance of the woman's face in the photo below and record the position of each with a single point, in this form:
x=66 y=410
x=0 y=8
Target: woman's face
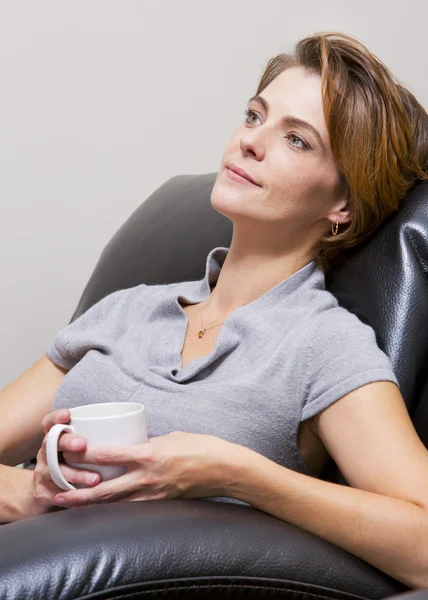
x=294 y=167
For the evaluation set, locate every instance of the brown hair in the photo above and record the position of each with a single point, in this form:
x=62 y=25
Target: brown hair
x=378 y=132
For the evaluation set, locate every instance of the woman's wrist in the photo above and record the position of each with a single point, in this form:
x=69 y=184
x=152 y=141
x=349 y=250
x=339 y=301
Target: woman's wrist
x=26 y=504
x=30 y=505
x=15 y=484
x=236 y=472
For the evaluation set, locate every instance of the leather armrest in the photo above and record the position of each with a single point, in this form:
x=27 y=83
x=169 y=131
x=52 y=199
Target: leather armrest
x=180 y=548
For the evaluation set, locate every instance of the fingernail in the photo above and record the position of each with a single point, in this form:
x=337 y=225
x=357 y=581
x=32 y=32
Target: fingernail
x=76 y=443
x=60 y=502
x=90 y=478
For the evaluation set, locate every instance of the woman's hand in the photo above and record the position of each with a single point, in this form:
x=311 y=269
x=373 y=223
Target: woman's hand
x=176 y=465
x=40 y=498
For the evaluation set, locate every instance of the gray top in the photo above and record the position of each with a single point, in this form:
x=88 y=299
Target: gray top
x=278 y=360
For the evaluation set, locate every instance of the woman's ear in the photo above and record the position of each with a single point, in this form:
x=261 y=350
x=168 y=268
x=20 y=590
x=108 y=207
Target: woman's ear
x=340 y=212
x=343 y=206
x=345 y=213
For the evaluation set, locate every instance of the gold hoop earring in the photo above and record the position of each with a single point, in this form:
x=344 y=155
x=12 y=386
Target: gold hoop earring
x=336 y=225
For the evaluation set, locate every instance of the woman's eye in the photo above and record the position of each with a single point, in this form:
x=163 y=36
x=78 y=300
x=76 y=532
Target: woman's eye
x=301 y=144
x=249 y=113
x=293 y=136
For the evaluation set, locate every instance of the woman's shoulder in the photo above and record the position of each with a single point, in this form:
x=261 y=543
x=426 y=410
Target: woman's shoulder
x=331 y=327
x=339 y=337
x=342 y=353
x=320 y=306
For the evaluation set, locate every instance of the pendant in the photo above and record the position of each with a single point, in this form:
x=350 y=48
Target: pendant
x=201 y=333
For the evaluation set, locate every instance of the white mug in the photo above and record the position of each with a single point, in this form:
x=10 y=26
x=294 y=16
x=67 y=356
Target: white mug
x=105 y=424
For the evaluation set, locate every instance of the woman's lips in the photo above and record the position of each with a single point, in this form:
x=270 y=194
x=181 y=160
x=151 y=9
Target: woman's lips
x=237 y=177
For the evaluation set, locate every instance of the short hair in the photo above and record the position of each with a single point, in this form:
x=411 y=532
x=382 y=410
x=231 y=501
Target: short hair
x=378 y=132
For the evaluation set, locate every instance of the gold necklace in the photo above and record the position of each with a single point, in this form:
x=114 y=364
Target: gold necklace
x=203 y=329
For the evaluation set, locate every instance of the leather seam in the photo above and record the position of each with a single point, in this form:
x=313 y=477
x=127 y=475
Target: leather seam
x=169 y=588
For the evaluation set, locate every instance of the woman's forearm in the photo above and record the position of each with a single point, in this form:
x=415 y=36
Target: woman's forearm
x=389 y=533
x=15 y=484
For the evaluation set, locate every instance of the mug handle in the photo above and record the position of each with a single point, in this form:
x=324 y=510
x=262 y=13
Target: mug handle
x=52 y=455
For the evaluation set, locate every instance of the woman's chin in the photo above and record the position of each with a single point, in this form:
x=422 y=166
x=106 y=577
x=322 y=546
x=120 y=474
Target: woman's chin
x=231 y=204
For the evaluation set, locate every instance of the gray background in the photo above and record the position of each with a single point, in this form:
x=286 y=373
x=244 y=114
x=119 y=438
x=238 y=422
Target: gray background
x=102 y=101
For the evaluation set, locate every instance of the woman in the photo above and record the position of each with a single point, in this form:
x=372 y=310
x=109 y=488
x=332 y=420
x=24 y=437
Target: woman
x=253 y=376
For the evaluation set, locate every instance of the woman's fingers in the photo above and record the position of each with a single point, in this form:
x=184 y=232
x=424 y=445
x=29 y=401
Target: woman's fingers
x=70 y=442
x=67 y=442
x=71 y=474
x=87 y=478
x=74 y=444
x=57 y=416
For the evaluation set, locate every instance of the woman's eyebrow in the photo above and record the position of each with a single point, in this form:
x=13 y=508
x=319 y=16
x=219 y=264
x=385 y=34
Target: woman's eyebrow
x=290 y=120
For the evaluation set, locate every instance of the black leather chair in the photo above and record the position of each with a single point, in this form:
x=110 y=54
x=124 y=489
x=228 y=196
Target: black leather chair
x=198 y=548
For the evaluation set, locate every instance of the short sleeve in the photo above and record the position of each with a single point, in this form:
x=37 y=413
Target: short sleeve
x=93 y=329
x=343 y=355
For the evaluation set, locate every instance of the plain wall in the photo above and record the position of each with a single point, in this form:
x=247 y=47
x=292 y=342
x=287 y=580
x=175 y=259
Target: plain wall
x=102 y=101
